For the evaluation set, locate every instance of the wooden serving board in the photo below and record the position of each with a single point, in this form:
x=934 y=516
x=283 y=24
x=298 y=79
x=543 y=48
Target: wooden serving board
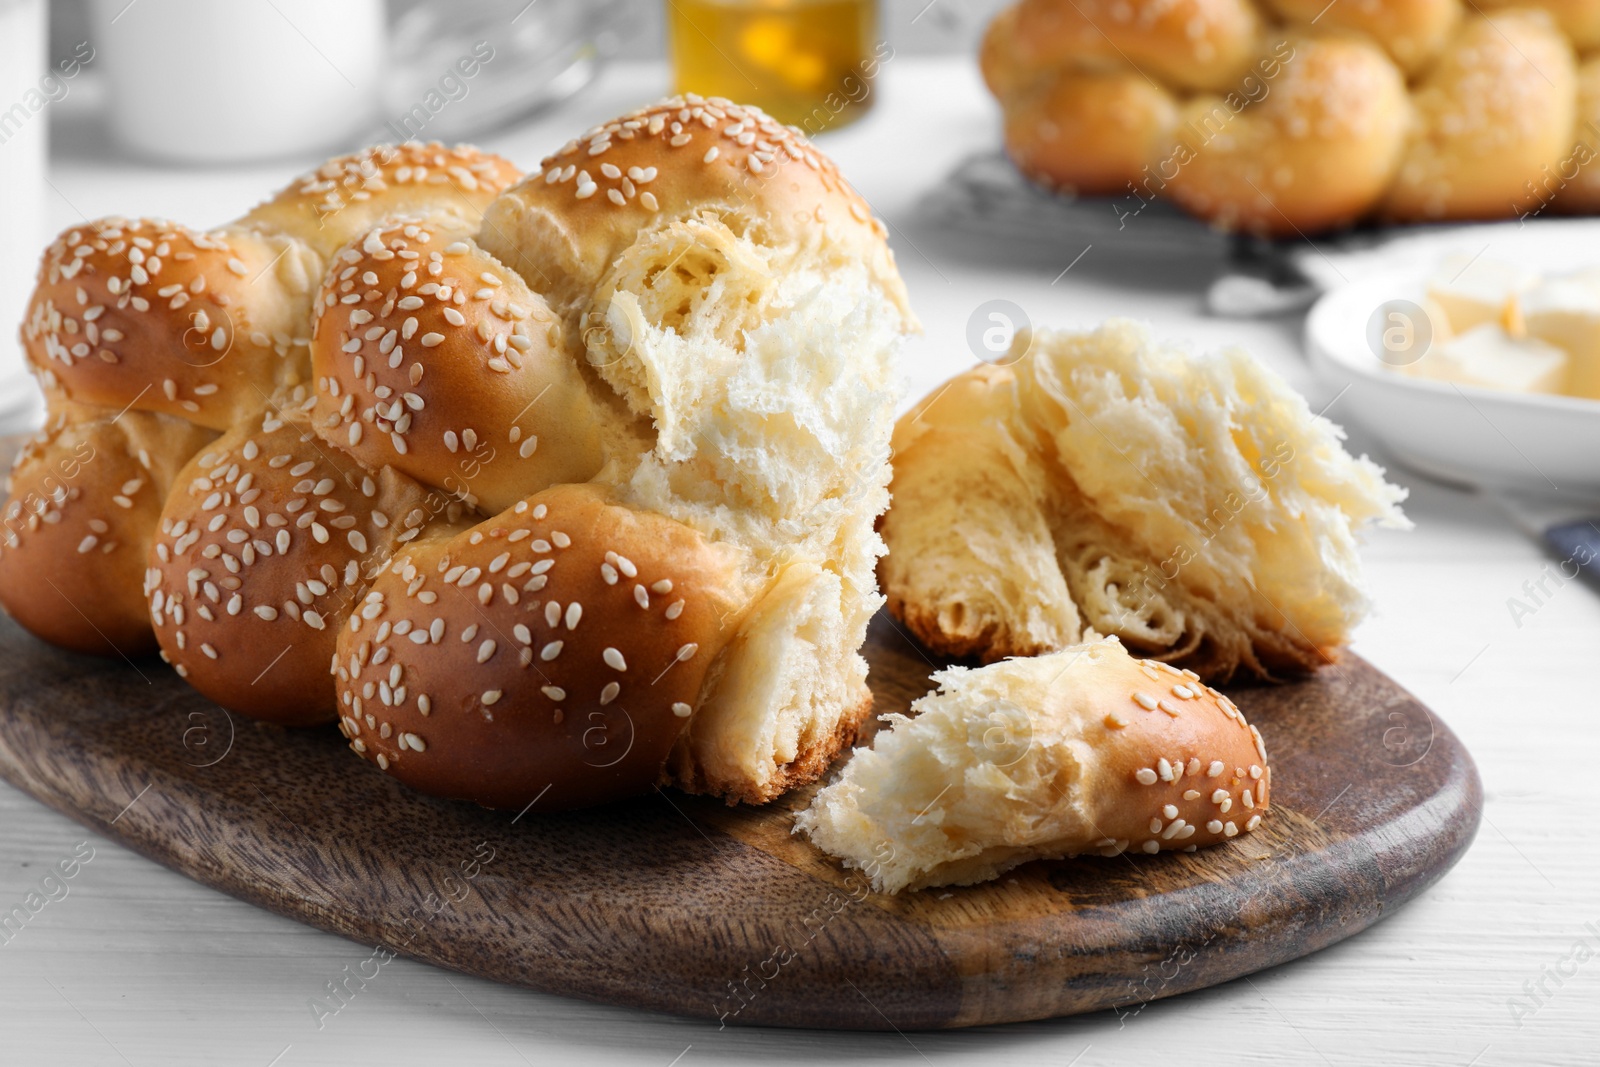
x=681 y=904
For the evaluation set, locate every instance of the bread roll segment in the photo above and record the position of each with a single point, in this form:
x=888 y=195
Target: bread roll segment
x=552 y=654
x=205 y=329
x=1195 y=507
x=263 y=548
x=1085 y=750
x=433 y=357
x=1493 y=114
x=687 y=310
x=85 y=496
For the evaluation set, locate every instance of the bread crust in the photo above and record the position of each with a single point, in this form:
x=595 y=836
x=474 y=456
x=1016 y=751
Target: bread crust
x=404 y=370
x=1087 y=750
x=1290 y=117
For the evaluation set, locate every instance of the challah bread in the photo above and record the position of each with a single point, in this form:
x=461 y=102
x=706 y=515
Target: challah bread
x=1578 y=19
x=701 y=332
x=261 y=555
x=1189 y=504
x=433 y=357
x=1573 y=186
x=721 y=279
x=1296 y=116
x=1493 y=113
x=1194 y=44
x=1085 y=750
x=1313 y=153
x=554 y=652
x=85 y=497
x=1413 y=32
x=1088 y=130
x=146 y=316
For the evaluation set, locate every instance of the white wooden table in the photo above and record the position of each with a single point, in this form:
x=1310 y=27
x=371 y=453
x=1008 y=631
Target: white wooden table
x=137 y=965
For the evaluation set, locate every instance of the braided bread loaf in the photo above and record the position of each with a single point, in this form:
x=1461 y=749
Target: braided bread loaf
x=546 y=492
x=1287 y=117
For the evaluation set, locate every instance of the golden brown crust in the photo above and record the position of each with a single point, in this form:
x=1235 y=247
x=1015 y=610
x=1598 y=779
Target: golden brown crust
x=1282 y=146
x=1413 y=32
x=1089 y=133
x=1087 y=750
x=1194 y=44
x=430 y=355
x=85 y=495
x=813 y=762
x=1184 y=767
x=149 y=314
x=565 y=224
x=1336 y=105
x=264 y=548
x=1493 y=113
x=550 y=655
x=348 y=195
x=988 y=644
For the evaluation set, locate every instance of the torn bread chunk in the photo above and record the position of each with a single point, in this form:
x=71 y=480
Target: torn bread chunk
x=1086 y=750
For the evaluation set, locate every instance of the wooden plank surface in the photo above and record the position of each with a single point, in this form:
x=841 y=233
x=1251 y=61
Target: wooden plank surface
x=680 y=904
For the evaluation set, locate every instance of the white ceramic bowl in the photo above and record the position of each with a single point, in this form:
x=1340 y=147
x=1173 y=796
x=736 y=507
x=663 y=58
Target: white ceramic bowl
x=1460 y=433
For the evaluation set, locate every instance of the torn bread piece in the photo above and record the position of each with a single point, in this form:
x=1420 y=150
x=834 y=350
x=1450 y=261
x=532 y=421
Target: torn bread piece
x=1086 y=750
x=1103 y=483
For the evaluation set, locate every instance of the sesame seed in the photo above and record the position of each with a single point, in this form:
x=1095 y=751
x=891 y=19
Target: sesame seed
x=609 y=693
x=1145 y=776
x=614 y=659
x=491 y=696
x=486 y=650
x=1215 y=769
x=682 y=710
x=554 y=692
x=551 y=651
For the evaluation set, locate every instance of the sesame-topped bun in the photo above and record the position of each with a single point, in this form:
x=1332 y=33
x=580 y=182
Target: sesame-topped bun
x=155 y=316
x=682 y=331
x=1086 y=750
x=348 y=195
x=85 y=496
x=433 y=357
x=565 y=224
x=263 y=550
x=550 y=655
x=208 y=327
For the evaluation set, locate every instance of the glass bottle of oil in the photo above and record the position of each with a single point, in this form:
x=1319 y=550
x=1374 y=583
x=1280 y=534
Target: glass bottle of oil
x=808 y=63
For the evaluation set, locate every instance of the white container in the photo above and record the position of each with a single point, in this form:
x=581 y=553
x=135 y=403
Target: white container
x=24 y=103
x=1458 y=433
x=200 y=81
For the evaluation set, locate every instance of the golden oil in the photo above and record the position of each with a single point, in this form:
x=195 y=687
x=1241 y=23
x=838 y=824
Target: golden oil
x=808 y=63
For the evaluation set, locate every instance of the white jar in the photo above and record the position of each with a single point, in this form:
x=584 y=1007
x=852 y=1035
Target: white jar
x=208 y=82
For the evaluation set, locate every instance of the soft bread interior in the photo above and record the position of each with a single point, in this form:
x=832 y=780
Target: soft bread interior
x=1044 y=757
x=766 y=375
x=1196 y=507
